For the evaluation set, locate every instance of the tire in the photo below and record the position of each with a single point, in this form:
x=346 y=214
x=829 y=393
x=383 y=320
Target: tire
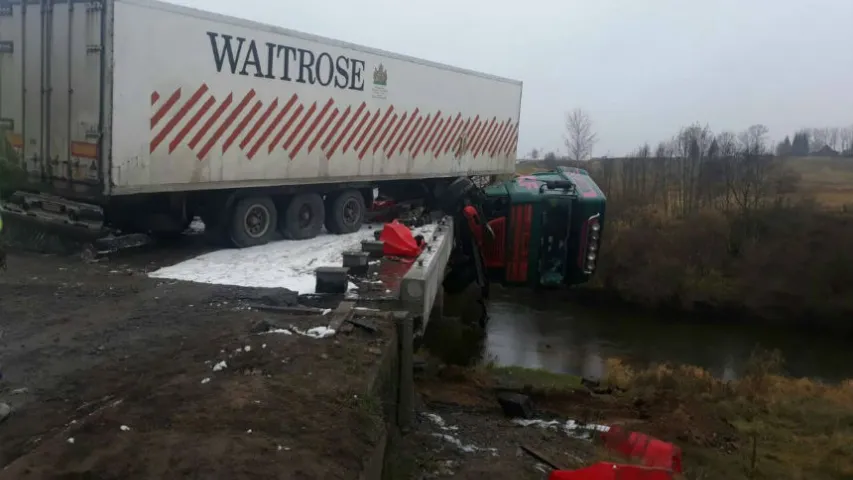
x=303 y=218
x=455 y=193
x=345 y=212
x=253 y=222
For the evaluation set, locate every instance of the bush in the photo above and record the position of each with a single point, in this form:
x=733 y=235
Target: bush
x=781 y=263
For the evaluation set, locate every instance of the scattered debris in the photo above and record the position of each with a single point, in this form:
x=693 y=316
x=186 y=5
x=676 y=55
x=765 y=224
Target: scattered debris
x=569 y=427
x=280 y=330
x=219 y=366
x=124 y=428
x=205 y=380
x=70 y=440
x=463 y=447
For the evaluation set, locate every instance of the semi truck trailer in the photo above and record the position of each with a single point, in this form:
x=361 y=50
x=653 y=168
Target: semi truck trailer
x=138 y=115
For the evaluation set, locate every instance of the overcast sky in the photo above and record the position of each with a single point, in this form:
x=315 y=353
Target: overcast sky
x=641 y=68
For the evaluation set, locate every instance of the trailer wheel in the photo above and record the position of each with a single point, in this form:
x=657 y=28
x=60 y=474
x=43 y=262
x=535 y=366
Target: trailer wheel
x=304 y=216
x=253 y=222
x=345 y=212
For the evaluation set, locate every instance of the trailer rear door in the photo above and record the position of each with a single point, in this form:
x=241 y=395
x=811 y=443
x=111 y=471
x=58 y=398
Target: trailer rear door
x=51 y=81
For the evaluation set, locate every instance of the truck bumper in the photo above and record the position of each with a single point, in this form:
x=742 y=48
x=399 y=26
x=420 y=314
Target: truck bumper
x=66 y=217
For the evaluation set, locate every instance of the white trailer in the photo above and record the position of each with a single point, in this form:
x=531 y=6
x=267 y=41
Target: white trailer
x=138 y=114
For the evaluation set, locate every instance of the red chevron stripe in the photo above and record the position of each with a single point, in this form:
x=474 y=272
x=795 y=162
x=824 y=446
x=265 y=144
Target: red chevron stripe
x=467 y=135
x=311 y=128
x=241 y=126
x=475 y=134
x=442 y=135
x=394 y=133
x=430 y=130
x=375 y=132
x=285 y=127
x=346 y=129
x=154 y=97
x=500 y=139
x=275 y=122
x=299 y=126
x=191 y=124
x=385 y=133
x=513 y=146
x=334 y=130
x=504 y=142
x=161 y=112
x=209 y=123
x=490 y=148
x=485 y=136
x=451 y=139
x=403 y=134
x=355 y=132
x=226 y=123
x=487 y=145
x=181 y=113
x=412 y=132
x=419 y=134
x=257 y=126
x=453 y=126
x=322 y=131
x=509 y=140
x=367 y=130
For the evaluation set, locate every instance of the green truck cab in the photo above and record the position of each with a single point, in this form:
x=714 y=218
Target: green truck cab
x=546 y=228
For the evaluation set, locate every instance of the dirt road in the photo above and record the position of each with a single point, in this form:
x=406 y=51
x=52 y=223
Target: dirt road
x=114 y=375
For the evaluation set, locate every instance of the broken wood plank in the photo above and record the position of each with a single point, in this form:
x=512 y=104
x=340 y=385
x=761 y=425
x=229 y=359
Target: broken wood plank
x=341 y=314
x=538 y=456
x=299 y=310
x=362 y=325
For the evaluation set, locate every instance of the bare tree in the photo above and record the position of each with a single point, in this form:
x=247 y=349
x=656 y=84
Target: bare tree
x=534 y=154
x=846 y=135
x=818 y=139
x=832 y=137
x=580 y=137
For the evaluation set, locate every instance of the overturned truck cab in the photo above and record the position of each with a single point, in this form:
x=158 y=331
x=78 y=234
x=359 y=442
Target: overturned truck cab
x=542 y=229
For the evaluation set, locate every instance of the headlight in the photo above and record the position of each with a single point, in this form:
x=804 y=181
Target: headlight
x=596 y=227
x=593 y=247
x=591 y=257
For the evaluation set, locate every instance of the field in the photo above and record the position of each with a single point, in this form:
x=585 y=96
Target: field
x=827 y=180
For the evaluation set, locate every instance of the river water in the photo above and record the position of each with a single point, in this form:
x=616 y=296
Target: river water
x=545 y=330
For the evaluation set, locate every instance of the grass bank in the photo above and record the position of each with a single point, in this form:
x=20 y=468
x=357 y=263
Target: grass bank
x=763 y=426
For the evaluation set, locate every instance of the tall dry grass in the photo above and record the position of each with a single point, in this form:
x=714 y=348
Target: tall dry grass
x=783 y=427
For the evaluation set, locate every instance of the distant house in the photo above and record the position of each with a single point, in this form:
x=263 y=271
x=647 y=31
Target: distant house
x=826 y=151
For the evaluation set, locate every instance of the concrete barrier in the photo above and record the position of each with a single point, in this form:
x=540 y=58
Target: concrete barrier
x=420 y=286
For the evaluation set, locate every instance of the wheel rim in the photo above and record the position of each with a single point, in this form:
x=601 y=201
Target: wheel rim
x=306 y=216
x=351 y=212
x=257 y=221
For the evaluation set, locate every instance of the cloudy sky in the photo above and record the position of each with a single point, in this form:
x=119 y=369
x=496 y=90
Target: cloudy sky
x=641 y=68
